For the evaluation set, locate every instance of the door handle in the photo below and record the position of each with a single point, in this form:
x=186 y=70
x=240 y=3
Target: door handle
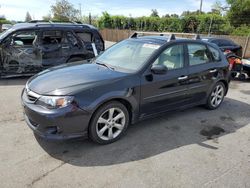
x=183 y=78
x=65 y=47
x=213 y=71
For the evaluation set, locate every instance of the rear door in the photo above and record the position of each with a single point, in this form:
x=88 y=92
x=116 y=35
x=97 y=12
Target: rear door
x=164 y=92
x=51 y=47
x=202 y=71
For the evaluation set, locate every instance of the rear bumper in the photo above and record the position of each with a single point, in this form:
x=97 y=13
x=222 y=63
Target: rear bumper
x=59 y=124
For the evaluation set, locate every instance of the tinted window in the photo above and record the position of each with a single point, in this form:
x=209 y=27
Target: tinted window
x=223 y=42
x=71 y=38
x=215 y=53
x=86 y=37
x=198 y=54
x=226 y=43
x=51 y=37
x=172 y=57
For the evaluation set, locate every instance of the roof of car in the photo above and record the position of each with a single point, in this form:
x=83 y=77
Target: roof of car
x=51 y=24
x=214 y=38
x=161 y=39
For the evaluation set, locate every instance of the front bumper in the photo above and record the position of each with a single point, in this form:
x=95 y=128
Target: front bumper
x=57 y=124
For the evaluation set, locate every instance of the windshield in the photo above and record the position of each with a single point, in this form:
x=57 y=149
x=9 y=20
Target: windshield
x=128 y=55
x=5 y=33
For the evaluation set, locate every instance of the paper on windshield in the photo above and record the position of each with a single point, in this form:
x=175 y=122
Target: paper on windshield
x=153 y=46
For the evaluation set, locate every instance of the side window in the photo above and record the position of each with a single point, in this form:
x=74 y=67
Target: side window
x=225 y=42
x=172 y=57
x=24 y=38
x=51 y=37
x=85 y=37
x=215 y=53
x=198 y=54
x=71 y=38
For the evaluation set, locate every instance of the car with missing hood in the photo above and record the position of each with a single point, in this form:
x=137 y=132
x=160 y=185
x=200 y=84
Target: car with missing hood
x=135 y=79
x=28 y=48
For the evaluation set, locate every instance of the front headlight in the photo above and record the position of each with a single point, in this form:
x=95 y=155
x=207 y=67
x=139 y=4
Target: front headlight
x=53 y=102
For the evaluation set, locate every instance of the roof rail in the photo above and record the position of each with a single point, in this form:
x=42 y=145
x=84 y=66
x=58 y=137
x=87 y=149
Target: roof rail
x=197 y=37
x=172 y=37
x=136 y=34
x=37 y=21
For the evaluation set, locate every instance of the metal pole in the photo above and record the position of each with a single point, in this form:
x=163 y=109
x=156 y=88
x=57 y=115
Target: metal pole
x=201 y=6
x=80 y=10
x=210 y=26
x=246 y=45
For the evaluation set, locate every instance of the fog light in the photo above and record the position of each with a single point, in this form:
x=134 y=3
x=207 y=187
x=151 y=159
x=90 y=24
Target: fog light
x=52 y=130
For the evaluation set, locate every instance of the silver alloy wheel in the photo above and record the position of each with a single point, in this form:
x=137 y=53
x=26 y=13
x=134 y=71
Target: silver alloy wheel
x=217 y=96
x=110 y=124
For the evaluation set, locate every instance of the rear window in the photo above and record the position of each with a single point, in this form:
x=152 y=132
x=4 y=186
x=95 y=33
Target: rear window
x=223 y=42
x=198 y=54
x=51 y=37
x=86 y=37
x=214 y=53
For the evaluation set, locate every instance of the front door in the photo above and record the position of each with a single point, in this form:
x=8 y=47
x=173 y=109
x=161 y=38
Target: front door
x=19 y=53
x=163 y=92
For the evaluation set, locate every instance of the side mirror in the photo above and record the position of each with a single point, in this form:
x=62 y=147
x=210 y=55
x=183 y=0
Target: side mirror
x=18 y=43
x=159 y=69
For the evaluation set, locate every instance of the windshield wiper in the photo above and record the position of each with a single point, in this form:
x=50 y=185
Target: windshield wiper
x=105 y=65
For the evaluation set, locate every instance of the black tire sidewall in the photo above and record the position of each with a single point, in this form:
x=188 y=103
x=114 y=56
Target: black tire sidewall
x=92 y=126
x=209 y=105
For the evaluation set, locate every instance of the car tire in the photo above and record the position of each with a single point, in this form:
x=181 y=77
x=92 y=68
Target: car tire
x=233 y=75
x=74 y=59
x=242 y=76
x=216 y=96
x=109 y=123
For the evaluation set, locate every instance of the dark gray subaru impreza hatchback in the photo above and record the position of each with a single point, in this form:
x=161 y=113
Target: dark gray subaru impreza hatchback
x=135 y=79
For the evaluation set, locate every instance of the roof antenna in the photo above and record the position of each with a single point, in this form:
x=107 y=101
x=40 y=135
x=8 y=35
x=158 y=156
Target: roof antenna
x=197 y=37
x=134 y=35
x=172 y=37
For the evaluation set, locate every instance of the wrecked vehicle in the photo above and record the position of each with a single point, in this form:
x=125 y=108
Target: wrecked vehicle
x=28 y=48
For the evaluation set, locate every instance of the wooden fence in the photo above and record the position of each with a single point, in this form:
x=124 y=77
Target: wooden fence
x=116 y=35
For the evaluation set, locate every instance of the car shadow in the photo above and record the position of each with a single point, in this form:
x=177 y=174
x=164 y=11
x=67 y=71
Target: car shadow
x=155 y=136
x=13 y=81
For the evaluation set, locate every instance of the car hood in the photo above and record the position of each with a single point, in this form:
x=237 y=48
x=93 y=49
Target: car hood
x=67 y=79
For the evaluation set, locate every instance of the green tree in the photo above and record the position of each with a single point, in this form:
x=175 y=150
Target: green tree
x=28 y=17
x=239 y=12
x=105 y=20
x=154 y=13
x=47 y=17
x=64 y=11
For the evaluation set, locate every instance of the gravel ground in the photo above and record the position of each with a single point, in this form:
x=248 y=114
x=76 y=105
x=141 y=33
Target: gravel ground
x=190 y=148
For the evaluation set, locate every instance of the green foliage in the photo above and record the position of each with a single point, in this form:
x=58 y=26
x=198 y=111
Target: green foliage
x=154 y=13
x=191 y=22
x=4 y=21
x=243 y=30
x=64 y=11
x=239 y=13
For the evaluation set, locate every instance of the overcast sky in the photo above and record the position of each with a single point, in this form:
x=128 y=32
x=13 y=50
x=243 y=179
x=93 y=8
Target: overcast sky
x=16 y=9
